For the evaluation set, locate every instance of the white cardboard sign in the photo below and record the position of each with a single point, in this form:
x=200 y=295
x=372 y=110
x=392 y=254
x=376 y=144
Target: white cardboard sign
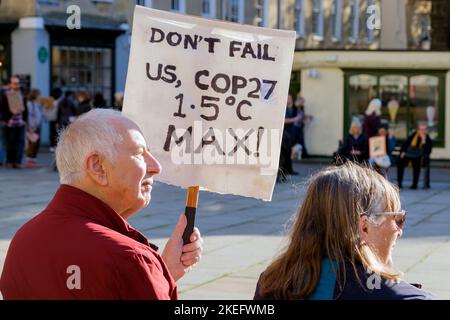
x=210 y=98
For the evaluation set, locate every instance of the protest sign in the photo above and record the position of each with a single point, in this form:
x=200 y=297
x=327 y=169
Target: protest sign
x=15 y=102
x=210 y=98
x=377 y=146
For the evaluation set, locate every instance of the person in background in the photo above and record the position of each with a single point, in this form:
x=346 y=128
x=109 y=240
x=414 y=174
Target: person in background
x=14 y=116
x=84 y=102
x=99 y=101
x=118 y=101
x=391 y=140
x=341 y=242
x=287 y=141
x=300 y=124
x=67 y=111
x=51 y=114
x=355 y=146
x=416 y=149
x=372 y=120
x=35 y=116
x=382 y=164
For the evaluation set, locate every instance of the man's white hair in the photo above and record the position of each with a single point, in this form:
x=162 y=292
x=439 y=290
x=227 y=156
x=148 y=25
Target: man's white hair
x=93 y=131
x=374 y=106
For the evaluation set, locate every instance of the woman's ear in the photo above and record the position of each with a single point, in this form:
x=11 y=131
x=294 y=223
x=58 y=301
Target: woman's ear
x=363 y=227
x=95 y=168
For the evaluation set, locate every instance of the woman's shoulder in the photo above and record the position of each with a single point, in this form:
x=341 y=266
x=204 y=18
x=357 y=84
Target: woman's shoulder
x=372 y=286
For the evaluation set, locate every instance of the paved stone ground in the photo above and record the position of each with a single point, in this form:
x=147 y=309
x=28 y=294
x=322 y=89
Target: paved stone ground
x=242 y=235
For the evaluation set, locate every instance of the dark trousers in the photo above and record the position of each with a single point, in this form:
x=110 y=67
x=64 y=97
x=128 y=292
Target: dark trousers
x=53 y=133
x=300 y=134
x=15 y=143
x=416 y=164
x=285 y=166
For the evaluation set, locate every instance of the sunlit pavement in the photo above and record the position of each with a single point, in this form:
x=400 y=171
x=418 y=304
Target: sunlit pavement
x=242 y=235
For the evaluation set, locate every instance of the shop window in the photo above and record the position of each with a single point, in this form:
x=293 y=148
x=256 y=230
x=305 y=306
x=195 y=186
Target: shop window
x=407 y=98
x=362 y=88
x=424 y=95
x=394 y=96
x=82 y=68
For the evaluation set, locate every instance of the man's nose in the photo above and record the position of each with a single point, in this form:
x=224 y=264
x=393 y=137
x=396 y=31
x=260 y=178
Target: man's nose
x=153 y=166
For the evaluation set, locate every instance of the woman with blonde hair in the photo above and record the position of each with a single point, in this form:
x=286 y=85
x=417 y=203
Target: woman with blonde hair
x=340 y=244
x=355 y=146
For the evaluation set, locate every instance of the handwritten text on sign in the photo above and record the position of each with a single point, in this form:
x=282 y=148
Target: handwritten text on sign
x=210 y=98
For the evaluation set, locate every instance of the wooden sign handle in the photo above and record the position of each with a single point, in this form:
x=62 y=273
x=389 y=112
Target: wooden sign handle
x=191 y=208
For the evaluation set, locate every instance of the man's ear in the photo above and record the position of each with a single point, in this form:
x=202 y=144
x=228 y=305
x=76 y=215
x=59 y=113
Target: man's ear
x=363 y=227
x=95 y=168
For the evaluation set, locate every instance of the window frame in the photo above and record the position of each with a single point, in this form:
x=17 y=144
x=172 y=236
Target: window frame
x=240 y=11
x=317 y=34
x=336 y=21
x=354 y=22
x=299 y=19
x=369 y=33
x=212 y=9
x=144 y=3
x=181 y=6
x=263 y=18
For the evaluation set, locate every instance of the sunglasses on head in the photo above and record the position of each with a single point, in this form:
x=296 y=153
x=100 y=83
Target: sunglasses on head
x=400 y=216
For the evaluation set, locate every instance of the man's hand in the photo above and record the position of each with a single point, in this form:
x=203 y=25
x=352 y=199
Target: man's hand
x=178 y=258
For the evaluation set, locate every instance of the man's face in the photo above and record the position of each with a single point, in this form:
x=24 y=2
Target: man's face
x=423 y=129
x=356 y=130
x=299 y=102
x=130 y=177
x=289 y=100
x=14 y=83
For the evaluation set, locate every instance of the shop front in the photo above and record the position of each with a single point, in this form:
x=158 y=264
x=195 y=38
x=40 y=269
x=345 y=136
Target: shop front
x=338 y=86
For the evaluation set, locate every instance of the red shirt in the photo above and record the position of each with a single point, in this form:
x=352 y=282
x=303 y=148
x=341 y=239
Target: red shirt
x=79 y=241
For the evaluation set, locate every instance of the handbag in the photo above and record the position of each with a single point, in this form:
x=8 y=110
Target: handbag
x=413 y=152
x=383 y=162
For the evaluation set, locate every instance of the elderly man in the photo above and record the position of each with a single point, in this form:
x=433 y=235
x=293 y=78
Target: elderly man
x=81 y=246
